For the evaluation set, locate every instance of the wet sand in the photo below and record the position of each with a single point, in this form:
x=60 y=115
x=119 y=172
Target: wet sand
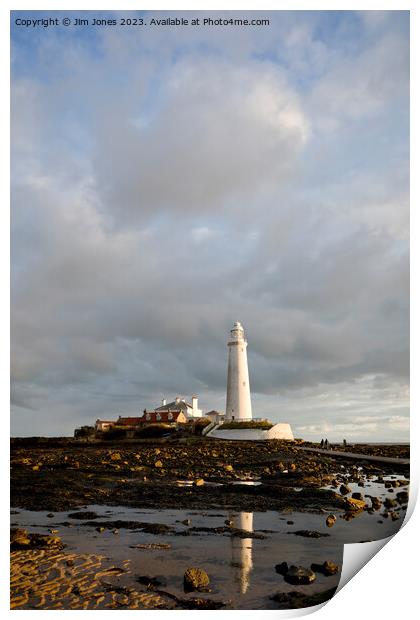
x=42 y=579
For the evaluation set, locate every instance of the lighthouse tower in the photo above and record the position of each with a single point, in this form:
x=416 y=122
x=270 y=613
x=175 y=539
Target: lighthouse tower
x=238 y=396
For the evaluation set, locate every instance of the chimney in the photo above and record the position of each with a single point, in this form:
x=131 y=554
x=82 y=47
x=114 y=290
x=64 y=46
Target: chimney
x=194 y=404
x=178 y=400
x=163 y=402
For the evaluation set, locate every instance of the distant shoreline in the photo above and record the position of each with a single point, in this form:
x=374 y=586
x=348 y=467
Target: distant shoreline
x=332 y=443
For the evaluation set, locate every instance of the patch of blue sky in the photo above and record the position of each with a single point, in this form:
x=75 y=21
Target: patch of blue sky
x=30 y=41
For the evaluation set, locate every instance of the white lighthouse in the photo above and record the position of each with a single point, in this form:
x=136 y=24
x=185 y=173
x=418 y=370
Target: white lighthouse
x=238 y=395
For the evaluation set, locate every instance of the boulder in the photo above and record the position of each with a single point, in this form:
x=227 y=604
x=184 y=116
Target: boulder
x=281 y=568
x=330 y=520
x=344 y=489
x=354 y=505
x=402 y=497
x=196 y=579
x=298 y=575
x=327 y=568
x=19 y=539
x=390 y=503
x=83 y=514
x=376 y=503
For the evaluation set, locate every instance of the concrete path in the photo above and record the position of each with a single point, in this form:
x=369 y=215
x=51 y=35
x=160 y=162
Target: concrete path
x=355 y=455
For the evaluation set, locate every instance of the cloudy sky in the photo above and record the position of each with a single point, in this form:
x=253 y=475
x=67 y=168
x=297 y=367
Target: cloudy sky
x=169 y=181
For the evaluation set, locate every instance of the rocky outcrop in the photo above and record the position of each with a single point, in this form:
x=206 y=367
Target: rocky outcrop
x=344 y=489
x=297 y=600
x=21 y=539
x=327 y=568
x=196 y=579
x=298 y=575
x=354 y=505
x=309 y=534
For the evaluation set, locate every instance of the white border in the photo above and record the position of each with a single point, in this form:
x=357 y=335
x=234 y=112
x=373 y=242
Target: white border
x=386 y=585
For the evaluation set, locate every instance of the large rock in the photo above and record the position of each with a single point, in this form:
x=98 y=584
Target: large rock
x=402 y=497
x=19 y=539
x=298 y=575
x=282 y=568
x=330 y=520
x=83 y=514
x=390 y=503
x=196 y=579
x=376 y=503
x=344 y=489
x=354 y=505
x=327 y=568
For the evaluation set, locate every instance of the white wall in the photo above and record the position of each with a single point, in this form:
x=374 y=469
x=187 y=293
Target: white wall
x=278 y=431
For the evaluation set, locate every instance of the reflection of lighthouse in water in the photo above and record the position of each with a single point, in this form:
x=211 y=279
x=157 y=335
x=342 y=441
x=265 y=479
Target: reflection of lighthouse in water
x=242 y=549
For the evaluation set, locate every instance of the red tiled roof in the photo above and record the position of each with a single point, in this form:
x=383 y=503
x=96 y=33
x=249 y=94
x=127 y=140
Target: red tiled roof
x=152 y=416
x=129 y=421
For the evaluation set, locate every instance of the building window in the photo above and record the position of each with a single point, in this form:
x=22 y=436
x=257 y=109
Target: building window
x=170 y=416
x=158 y=416
x=148 y=417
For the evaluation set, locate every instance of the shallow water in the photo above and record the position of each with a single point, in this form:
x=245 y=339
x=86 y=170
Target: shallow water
x=241 y=570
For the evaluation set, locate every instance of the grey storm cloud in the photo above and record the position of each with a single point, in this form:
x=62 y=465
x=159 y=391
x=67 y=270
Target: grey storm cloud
x=208 y=185
x=220 y=132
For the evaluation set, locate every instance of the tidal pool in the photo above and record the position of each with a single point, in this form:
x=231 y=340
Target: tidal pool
x=241 y=570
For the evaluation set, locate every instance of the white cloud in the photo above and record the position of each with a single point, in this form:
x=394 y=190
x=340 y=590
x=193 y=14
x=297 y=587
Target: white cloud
x=203 y=233
x=192 y=183
x=220 y=130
